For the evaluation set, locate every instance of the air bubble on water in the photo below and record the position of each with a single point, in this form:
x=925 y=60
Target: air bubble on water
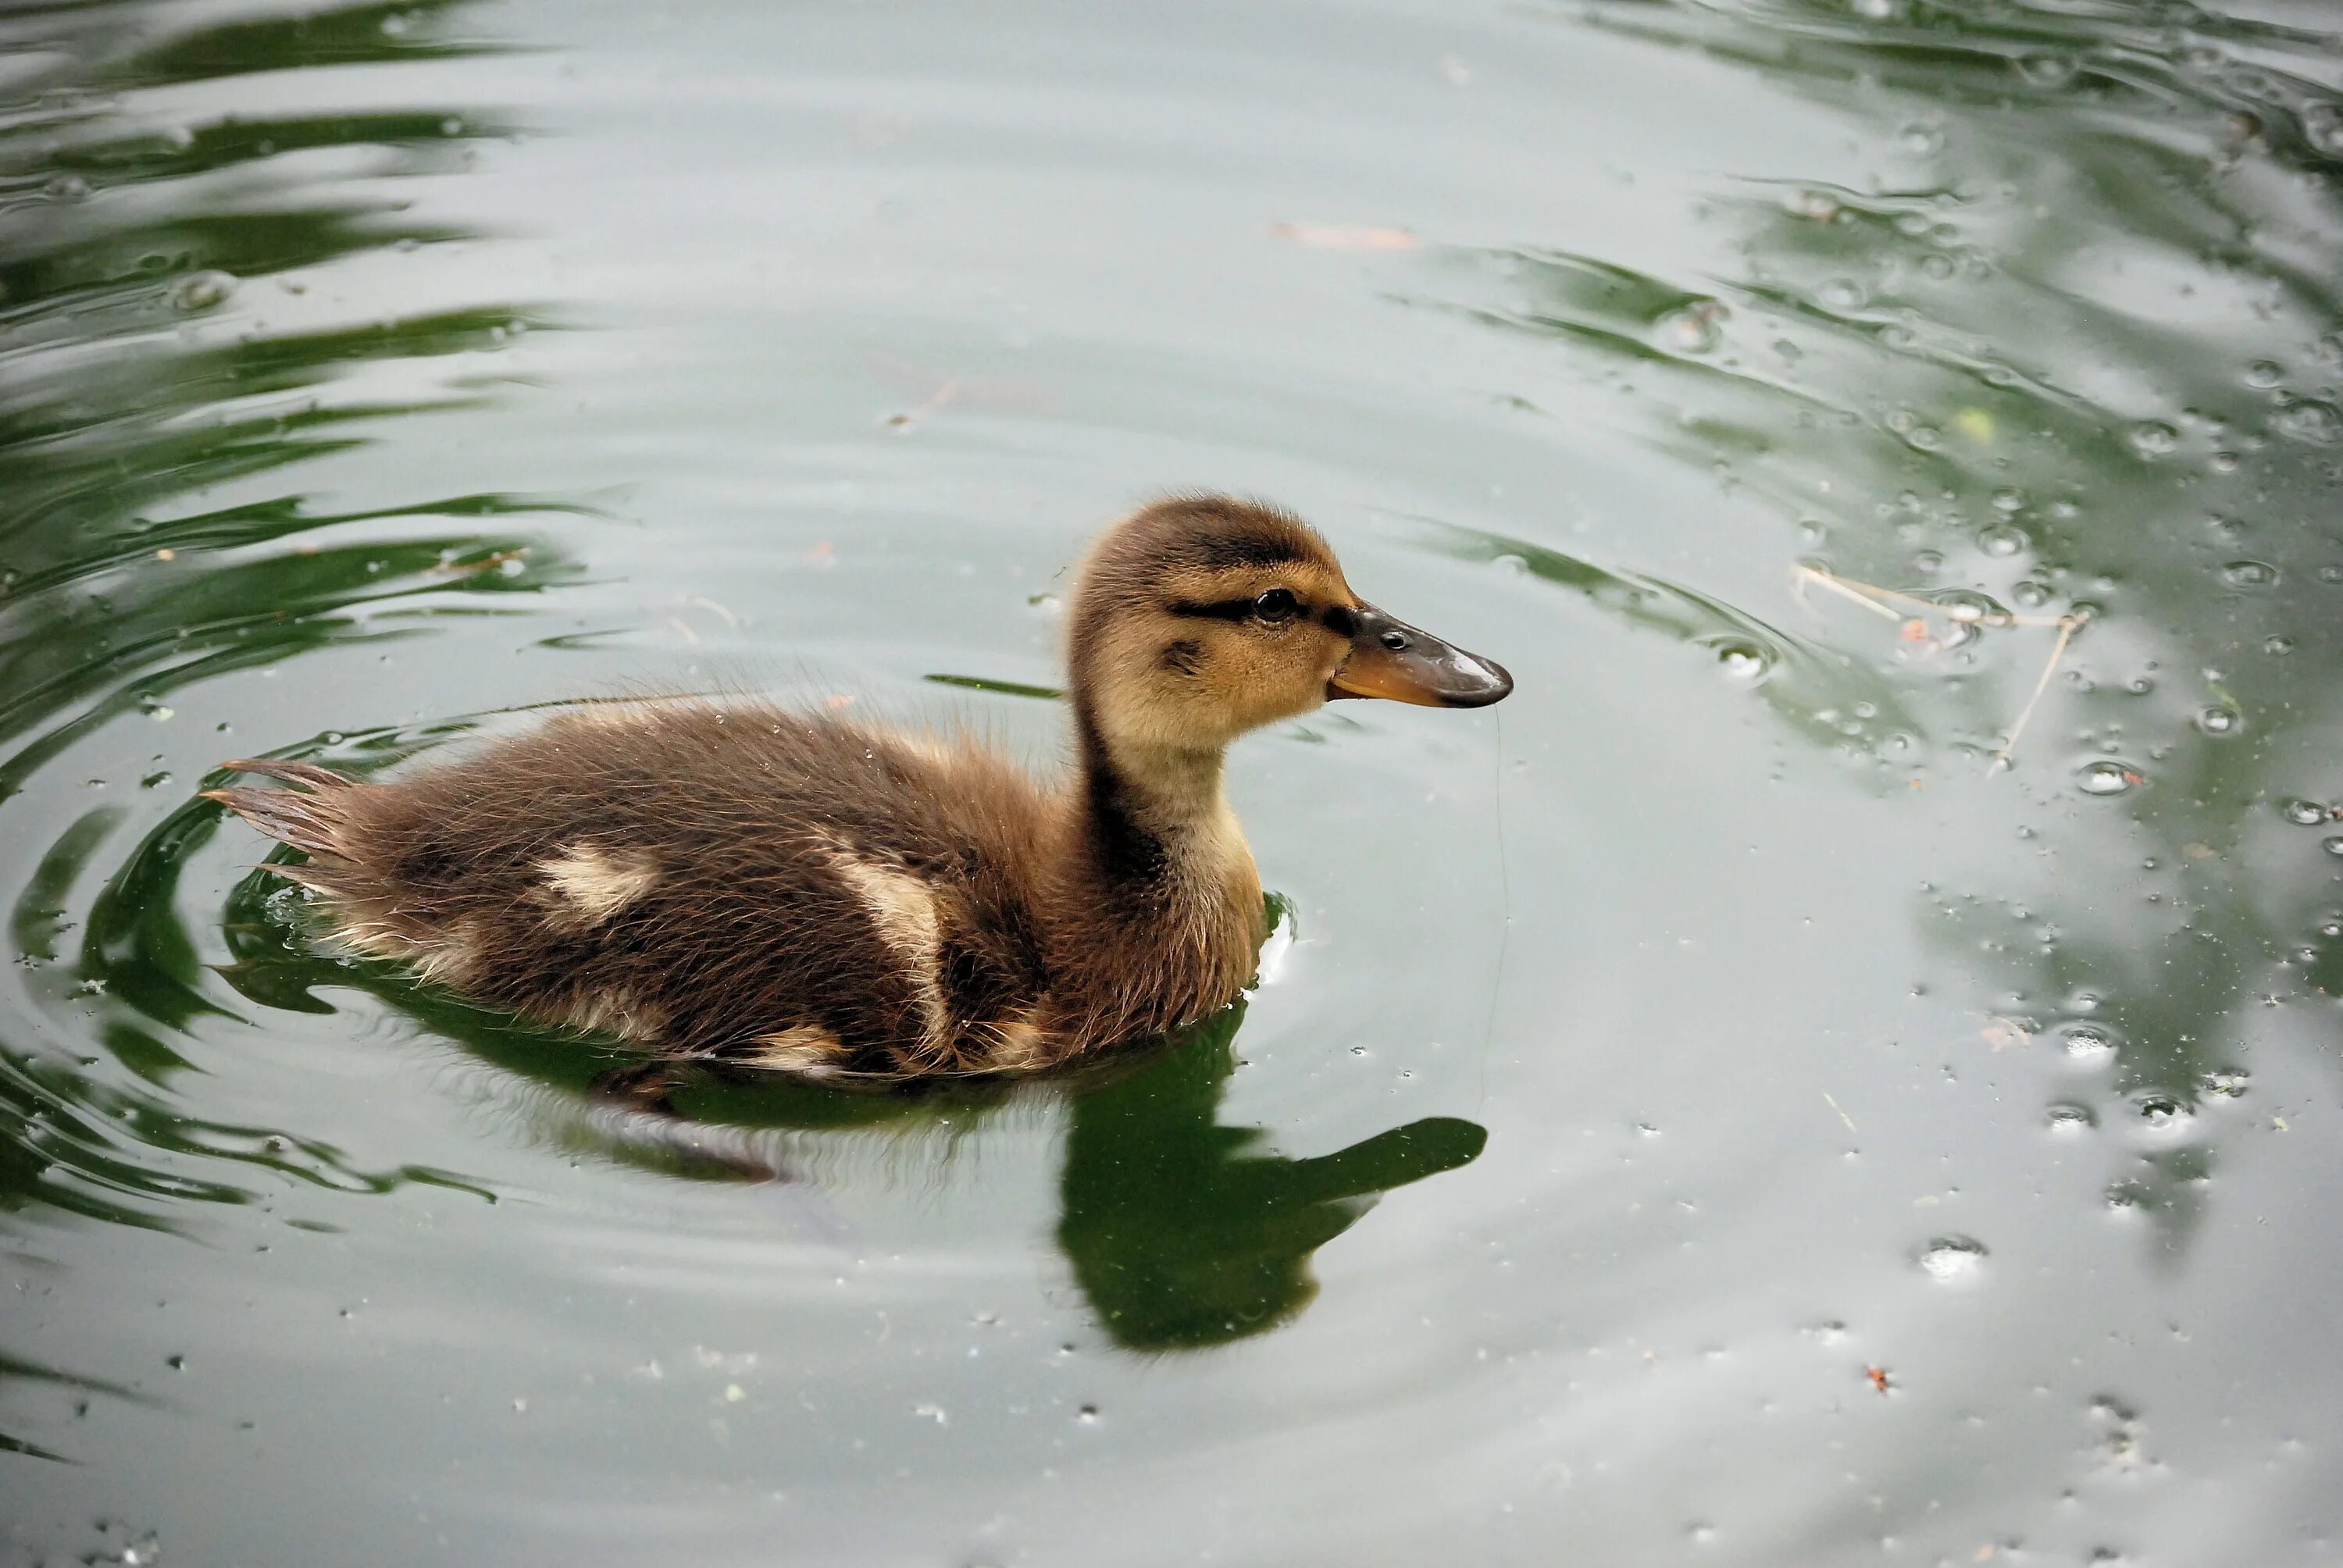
x=2249 y=574
x=2046 y=70
x=2322 y=128
x=1740 y=658
x=2154 y=438
x=67 y=189
x=2031 y=595
x=2003 y=541
x=1966 y=606
x=2309 y=419
x=2161 y=1111
x=1087 y=1414
x=2090 y=1044
x=1697 y=328
x=2264 y=372
x=1842 y=294
x=201 y=291
x=2071 y=1119
x=2220 y=720
x=1952 y=1260
x=2106 y=779
x=1921 y=140
x=2334 y=846
x=2304 y=813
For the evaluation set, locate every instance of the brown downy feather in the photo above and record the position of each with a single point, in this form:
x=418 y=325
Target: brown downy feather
x=801 y=892
x=305 y=822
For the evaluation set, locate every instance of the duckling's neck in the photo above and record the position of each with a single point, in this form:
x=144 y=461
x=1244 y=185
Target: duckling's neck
x=1153 y=818
x=1151 y=916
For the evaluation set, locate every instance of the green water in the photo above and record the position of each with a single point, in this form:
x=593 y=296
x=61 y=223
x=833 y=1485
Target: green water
x=1638 y=1068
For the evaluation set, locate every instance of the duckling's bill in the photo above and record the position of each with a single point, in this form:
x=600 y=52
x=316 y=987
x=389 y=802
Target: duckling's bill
x=1392 y=660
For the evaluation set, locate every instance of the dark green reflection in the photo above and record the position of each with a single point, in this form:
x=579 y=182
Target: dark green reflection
x=1181 y=1230
x=1186 y=1232
x=143 y=375
x=176 y=342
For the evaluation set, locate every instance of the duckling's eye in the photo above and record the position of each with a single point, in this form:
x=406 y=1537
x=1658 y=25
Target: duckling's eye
x=1278 y=604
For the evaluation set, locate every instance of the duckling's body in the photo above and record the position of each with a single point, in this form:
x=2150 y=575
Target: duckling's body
x=805 y=893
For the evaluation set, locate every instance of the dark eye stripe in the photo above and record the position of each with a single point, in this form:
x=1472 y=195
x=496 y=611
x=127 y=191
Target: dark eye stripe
x=1220 y=609
x=1339 y=621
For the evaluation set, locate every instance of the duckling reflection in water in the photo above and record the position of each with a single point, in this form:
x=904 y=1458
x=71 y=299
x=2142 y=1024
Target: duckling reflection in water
x=1182 y=1231
x=799 y=893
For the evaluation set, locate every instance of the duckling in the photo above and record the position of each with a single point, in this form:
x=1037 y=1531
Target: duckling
x=801 y=892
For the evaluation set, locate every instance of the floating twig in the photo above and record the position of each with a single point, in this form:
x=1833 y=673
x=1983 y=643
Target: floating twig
x=1877 y=599
x=1870 y=595
x=935 y=404
x=1847 y=590
x=2067 y=626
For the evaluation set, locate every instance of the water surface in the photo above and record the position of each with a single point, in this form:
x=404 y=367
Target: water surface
x=1744 y=1099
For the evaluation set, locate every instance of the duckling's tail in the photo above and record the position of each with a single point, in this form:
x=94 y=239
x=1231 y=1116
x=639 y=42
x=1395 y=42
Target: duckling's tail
x=305 y=820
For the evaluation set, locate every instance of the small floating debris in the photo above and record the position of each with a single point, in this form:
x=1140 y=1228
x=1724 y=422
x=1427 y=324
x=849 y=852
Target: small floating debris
x=1345 y=236
x=2002 y=1032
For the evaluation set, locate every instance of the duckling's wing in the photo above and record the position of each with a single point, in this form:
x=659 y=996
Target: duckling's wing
x=740 y=881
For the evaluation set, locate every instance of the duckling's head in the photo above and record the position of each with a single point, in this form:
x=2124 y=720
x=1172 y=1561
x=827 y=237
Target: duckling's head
x=1202 y=617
